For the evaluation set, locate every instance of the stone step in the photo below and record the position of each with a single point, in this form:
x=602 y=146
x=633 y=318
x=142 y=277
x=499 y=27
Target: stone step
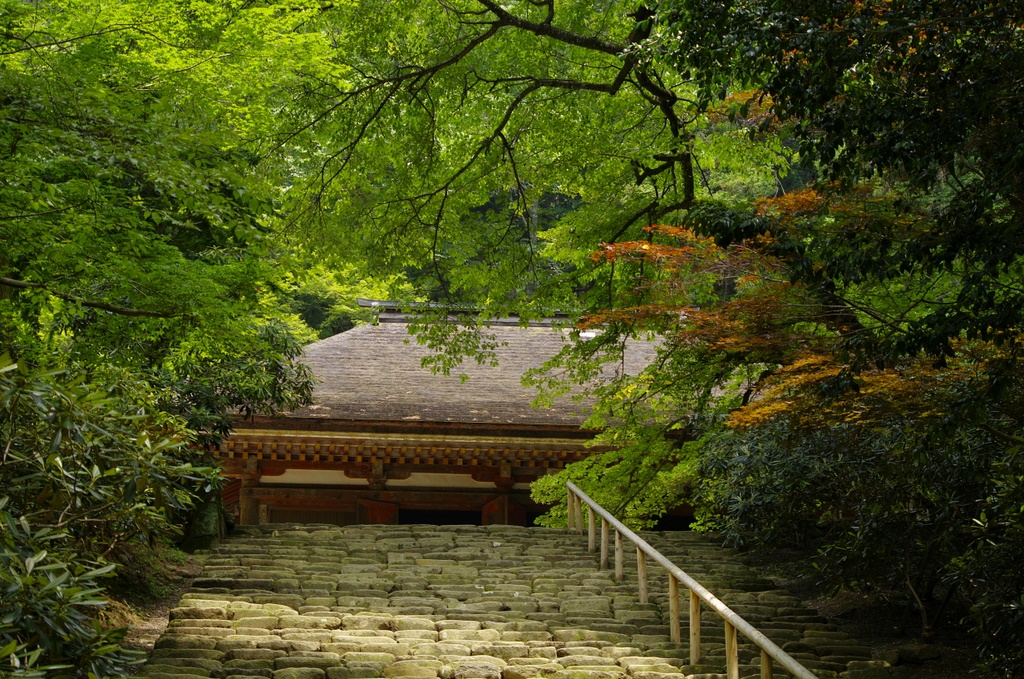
x=464 y=602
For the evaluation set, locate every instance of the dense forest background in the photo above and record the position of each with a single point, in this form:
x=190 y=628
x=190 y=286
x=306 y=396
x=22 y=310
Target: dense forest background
x=813 y=207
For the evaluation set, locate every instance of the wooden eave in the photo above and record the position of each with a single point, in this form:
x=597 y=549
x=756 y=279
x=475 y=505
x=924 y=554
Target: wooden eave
x=314 y=425
x=285 y=442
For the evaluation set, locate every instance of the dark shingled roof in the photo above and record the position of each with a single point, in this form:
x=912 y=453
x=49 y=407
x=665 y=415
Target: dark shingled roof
x=371 y=373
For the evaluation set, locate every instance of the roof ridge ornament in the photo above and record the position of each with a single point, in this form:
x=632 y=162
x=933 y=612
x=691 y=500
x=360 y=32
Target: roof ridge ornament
x=394 y=311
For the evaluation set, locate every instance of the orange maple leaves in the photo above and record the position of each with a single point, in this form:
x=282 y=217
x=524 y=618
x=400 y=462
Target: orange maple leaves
x=687 y=248
x=731 y=300
x=915 y=390
x=735 y=303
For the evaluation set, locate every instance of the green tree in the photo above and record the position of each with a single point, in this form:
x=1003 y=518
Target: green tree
x=141 y=288
x=134 y=228
x=921 y=97
x=441 y=135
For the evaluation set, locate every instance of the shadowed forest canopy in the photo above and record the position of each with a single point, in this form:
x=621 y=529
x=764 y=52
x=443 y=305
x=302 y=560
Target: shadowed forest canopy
x=813 y=207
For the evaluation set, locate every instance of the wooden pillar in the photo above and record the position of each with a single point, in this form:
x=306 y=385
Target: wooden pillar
x=732 y=658
x=695 y=649
x=604 y=543
x=248 y=503
x=591 y=531
x=675 y=633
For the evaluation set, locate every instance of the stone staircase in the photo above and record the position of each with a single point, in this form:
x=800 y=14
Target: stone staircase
x=466 y=602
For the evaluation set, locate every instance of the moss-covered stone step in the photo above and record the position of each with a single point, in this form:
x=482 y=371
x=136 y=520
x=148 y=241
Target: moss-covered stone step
x=467 y=602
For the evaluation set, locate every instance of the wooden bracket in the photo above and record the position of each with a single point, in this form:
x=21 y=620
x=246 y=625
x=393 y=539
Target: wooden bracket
x=378 y=477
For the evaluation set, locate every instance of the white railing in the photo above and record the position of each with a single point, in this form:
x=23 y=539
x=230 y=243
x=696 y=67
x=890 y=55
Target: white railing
x=770 y=652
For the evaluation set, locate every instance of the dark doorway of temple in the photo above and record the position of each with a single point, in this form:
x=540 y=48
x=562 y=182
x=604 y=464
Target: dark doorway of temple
x=337 y=517
x=439 y=517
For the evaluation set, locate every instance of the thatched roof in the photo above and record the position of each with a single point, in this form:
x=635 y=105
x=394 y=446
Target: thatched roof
x=374 y=372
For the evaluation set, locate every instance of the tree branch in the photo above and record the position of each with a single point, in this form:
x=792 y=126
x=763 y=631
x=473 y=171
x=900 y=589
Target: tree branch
x=94 y=304
x=550 y=31
x=654 y=211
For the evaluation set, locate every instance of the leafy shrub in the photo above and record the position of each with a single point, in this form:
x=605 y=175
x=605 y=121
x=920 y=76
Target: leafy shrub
x=990 y=571
x=96 y=461
x=87 y=467
x=47 y=611
x=934 y=512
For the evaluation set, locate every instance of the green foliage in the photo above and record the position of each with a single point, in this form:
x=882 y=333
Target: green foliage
x=47 y=611
x=636 y=481
x=921 y=95
x=326 y=300
x=990 y=574
x=89 y=466
x=489 y=148
x=255 y=371
x=649 y=416
x=135 y=232
x=921 y=497
x=95 y=460
x=889 y=504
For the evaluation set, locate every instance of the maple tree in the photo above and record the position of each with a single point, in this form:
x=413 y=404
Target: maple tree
x=923 y=97
x=899 y=474
x=865 y=396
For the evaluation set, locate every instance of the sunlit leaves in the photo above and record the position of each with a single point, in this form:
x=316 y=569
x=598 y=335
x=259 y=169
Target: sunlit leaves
x=133 y=216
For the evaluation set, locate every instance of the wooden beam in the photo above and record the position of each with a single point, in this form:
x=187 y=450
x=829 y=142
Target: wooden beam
x=487 y=473
x=408 y=499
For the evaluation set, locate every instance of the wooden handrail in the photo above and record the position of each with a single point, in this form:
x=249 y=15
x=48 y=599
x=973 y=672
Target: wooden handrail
x=698 y=593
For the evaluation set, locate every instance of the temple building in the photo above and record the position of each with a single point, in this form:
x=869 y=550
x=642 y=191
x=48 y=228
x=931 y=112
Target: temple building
x=388 y=441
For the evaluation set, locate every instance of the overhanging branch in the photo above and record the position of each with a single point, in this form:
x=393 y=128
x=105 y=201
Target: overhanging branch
x=93 y=304
x=550 y=31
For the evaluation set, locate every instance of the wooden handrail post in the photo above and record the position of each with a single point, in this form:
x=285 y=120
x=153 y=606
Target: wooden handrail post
x=766 y=665
x=570 y=511
x=591 y=530
x=700 y=596
x=694 y=628
x=620 y=573
x=673 y=610
x=641 y=574
x=732 y=657
x=604 y=544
